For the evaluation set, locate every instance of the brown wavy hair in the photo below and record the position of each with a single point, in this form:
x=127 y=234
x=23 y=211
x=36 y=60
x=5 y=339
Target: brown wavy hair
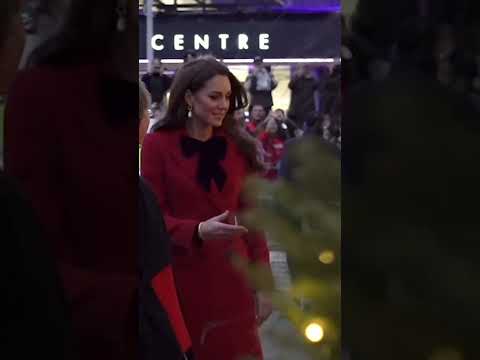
x=193 y=76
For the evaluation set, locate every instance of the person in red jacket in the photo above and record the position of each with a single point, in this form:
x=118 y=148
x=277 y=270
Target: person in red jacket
x=273 y=146
x=256 y=121
x=197 y=164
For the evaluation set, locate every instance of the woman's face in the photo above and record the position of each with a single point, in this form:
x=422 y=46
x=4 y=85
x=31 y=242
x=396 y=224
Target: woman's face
x=210 y=104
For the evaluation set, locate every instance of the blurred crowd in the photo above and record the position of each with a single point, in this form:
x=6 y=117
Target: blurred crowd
x=444 y=45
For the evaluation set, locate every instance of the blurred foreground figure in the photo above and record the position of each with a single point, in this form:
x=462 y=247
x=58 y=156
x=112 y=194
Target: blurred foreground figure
x=410 y=223
x=162 y=330
x=34 y=314
x=71 y=143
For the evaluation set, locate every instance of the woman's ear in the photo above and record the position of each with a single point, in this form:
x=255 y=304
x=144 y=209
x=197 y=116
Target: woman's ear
x=189 y=98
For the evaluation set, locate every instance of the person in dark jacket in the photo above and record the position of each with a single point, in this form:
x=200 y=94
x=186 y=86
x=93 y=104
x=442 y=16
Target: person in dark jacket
x=303 y=86
x=260 y=83
x=157 y=82
x=162 y=330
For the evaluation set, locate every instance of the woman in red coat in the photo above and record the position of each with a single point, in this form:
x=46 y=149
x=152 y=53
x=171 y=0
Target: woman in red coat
x=197 y=164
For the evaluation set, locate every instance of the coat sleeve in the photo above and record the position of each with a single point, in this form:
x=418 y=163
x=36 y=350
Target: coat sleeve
x=184 y=232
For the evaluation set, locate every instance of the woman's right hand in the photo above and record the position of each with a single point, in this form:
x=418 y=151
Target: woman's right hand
x=216 y=228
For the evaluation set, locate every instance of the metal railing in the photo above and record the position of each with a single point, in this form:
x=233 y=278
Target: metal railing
x=214 y=6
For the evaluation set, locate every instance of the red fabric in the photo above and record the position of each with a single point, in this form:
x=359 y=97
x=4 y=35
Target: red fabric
x=216 y=301
x=273 y=147
x=79 y=174
x=251 y=127
x=164 y=287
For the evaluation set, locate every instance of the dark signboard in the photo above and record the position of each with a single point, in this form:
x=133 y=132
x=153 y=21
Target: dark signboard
x=242 y=36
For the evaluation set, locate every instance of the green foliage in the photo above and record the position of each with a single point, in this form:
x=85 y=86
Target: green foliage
x=304 y=218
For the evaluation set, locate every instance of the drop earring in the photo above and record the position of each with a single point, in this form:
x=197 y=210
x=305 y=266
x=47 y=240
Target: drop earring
x=121 y=15
x=189 y=114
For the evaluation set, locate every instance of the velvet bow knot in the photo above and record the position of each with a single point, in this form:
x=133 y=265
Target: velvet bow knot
x=210 y=153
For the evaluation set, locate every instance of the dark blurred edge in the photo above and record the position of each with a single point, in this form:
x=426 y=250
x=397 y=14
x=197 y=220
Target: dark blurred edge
x=34 y=336
x=409 y=186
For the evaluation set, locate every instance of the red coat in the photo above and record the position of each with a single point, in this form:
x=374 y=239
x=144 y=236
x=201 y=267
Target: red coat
x=80 y=175
x=217 y=303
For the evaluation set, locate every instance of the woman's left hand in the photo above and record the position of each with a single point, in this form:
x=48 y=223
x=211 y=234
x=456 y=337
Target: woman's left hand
x=264 y=307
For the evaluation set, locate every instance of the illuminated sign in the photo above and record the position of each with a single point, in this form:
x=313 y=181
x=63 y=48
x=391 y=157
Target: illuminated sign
x=202 y=42
x=243 y=36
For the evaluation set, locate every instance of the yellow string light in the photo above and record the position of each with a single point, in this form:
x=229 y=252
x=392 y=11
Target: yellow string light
x=314 y=332
x=326 y=257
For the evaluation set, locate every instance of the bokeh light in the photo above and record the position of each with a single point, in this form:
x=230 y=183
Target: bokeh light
x=326 y=257
x=314 y=332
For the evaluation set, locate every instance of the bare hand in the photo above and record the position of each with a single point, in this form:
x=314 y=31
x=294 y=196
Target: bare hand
x=269 y=117
x=216 y=228
x=264 y=307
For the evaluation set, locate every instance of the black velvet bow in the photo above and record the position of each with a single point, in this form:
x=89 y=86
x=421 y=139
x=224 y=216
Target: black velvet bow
x=210 y=153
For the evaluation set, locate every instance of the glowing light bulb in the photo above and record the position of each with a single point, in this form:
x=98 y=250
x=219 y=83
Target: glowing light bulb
x=326 y=257
x=314 y=332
